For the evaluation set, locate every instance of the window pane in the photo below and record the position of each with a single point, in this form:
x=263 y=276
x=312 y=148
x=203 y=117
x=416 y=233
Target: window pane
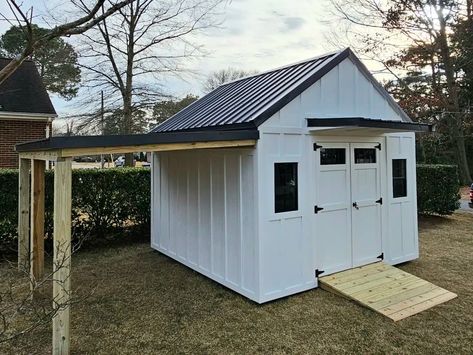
x=331 y=156
x=399 y=178
x=285 y=184
x=365 y=155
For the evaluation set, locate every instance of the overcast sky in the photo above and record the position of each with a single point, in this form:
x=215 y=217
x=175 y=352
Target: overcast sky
x=254 y=35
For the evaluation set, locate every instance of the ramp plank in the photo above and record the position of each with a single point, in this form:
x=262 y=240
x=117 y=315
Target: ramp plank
x=386 y=289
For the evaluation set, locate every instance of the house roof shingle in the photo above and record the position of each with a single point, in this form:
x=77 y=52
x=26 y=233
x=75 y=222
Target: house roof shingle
x=24 y=91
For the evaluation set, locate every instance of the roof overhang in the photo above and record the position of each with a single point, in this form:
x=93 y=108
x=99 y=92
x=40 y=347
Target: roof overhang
x=364 y=125
x=62 y=147
x=7 y=115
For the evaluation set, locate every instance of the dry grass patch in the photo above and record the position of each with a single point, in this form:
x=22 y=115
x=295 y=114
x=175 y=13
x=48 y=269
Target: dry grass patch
x=140 y=301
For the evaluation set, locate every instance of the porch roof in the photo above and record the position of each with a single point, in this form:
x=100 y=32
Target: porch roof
x=57 y=147
x=351 y=124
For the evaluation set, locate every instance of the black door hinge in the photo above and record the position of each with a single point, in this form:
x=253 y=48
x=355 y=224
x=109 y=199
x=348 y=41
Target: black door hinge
x=380 y=201
x=317 y=209
x=380 y=256
x=316 y=146
x=318 y=272
x=378 y=146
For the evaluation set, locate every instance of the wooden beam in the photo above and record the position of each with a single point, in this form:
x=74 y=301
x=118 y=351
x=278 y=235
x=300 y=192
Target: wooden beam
x=37 y=220
x=41 y=155
x=72 y=152
x=23 y=214
x=62 y=255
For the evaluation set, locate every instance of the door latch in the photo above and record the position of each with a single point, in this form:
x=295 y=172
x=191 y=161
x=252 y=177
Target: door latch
x=356 y=205
x=317 y=209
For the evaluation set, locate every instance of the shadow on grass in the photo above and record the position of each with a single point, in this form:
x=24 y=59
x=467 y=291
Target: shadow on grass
x=427 y=222
x=115 y=238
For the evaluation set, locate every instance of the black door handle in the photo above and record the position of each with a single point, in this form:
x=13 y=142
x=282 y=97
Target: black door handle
x=356 y=205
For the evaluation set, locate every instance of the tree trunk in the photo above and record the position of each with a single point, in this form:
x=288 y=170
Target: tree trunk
x=128 y=95
x=127 y=123
x=455 y=121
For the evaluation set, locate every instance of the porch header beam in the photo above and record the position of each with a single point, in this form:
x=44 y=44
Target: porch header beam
x=60 y=147
x=368 y=123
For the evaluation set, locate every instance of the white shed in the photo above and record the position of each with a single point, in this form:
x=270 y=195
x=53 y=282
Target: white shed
x=330 y=184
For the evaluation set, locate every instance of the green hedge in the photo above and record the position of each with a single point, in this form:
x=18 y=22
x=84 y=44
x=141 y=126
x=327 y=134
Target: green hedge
x=103 y=202
x=437 y=189
x=8 y=207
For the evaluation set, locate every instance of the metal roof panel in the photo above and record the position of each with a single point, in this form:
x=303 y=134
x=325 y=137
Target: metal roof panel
x=251 y=100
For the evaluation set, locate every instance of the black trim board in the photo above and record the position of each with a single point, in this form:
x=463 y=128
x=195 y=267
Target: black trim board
x=226 y=127
x=367 y=74
x=368 y=123
x=135 y=140
x=277 y=106
x=346 y=53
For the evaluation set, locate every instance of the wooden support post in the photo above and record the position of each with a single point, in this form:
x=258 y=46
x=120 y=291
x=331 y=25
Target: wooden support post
x=37 y=221
x=24 y=214
x=62 y=255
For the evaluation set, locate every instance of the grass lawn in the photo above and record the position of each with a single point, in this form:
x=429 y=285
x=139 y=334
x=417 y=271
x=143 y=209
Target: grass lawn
x=141 y=302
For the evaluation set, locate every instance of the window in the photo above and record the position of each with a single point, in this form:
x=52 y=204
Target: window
x=332 y=156
x=365 y=155
x=399 y=178
x=285 y=186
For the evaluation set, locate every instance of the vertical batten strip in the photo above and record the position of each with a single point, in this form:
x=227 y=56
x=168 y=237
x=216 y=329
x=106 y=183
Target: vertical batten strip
x=24 y=214
x=62 y=255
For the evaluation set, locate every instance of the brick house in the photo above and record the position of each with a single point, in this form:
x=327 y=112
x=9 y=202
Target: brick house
x=26 y=112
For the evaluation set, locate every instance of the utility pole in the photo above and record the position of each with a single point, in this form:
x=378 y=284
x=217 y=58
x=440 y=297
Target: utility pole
x=102 y=160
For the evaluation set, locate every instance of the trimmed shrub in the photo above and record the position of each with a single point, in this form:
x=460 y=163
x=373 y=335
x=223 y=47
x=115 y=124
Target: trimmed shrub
x=8 y=207
x=104 y=201
x=437 y=189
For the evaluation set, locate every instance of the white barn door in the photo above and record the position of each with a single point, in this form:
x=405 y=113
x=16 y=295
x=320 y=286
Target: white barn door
x=347 y=210
x=333 y=209
x=366 y=203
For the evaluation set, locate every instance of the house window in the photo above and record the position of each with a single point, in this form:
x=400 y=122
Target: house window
x=332 y=156
x=399 y=178
x=365 y=155
x=285 y=187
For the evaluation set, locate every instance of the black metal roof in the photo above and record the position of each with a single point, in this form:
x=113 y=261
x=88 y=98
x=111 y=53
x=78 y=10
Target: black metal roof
x=248 y=102
x=369 y=123
x=24 y=92
x=61 y=142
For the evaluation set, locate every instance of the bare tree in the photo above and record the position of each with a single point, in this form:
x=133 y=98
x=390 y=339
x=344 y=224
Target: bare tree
x=24 y=19
x=25 y=302
x=220 y=77
x=395 y=31
x=127 y=56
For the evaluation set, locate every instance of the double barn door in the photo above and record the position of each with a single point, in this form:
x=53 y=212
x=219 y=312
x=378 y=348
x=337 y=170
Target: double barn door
x=348 y=205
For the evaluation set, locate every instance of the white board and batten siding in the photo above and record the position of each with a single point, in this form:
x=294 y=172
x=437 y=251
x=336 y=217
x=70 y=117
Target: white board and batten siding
x=204 y=214
x=287 y=241
x=401 y=223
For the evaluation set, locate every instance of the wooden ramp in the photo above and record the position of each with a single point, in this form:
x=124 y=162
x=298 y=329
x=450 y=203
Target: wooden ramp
x=386 y=290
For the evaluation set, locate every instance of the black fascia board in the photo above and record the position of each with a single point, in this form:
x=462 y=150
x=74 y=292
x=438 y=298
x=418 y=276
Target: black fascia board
x=277 y=106
x=62 y=142
x=368 y=123
x=245 y=126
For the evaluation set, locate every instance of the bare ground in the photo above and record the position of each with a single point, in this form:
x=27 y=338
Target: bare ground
x=139 y=301
x=465 y=192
